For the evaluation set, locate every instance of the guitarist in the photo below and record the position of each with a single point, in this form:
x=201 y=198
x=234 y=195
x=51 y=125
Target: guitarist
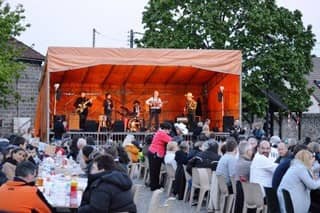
x=155 y=105
x=108 y=106
x=82 y=104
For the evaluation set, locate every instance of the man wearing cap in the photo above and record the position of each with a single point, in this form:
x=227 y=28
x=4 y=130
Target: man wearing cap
x=190 y=110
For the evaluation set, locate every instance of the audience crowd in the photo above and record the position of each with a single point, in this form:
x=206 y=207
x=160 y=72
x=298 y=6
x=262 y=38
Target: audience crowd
x=276 y=165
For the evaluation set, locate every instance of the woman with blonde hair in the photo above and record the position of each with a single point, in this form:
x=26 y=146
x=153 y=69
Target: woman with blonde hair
x=298 y=181
x=172 y=147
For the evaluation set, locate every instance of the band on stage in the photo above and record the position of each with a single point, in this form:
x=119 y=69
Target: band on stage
x=133 y=120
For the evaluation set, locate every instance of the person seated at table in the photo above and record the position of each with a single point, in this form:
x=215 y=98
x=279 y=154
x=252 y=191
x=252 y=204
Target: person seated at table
x=82 y=142
x=88 y=153
x=205 y=159
x=112 y=150
x=131 y=149
x=9 y=164
x=21 y=194
x=20 y=142
x=32 y=153
x=108 y=190
x=298 y=181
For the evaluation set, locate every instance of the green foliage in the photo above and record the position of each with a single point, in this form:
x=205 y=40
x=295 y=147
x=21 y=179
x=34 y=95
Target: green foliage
x=11 y=25
x=276 y=47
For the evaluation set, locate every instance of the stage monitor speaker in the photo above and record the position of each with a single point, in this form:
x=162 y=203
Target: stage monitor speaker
x=118 y=126
x=91 y=126
x=227 y=123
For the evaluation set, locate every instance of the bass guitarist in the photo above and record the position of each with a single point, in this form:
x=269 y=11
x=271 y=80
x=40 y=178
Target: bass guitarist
x=155 y=105
x=82 y=104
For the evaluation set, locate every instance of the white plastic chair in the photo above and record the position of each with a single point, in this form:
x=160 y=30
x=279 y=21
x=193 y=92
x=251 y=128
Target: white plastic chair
x=171 y=173
x=200 y=179
x=253 y=197
x=188 y=178
x=226 y=199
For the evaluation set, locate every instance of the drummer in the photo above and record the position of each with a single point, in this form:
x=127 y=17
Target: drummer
x=136 y=108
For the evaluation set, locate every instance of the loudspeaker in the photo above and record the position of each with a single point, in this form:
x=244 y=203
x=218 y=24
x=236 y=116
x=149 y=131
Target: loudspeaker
x=227 y=123
x=118 y=126
x=91 y=126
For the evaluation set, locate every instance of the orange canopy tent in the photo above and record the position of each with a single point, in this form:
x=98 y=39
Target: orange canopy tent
x=133 y=74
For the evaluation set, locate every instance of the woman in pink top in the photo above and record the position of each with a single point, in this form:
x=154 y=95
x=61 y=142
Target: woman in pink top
x=156 y=153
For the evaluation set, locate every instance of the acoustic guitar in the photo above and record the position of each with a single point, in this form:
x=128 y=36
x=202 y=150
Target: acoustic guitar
x=148 y=107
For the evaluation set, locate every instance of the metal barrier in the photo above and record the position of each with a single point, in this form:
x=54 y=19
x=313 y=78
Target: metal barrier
x=102 y=138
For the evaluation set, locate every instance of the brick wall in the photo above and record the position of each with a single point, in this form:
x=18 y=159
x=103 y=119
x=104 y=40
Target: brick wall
x=27 y=86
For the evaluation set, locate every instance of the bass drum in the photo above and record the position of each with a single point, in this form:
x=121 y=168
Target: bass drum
x=134 y=125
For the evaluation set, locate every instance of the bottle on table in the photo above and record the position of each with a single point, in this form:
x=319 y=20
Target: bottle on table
x=74 y=193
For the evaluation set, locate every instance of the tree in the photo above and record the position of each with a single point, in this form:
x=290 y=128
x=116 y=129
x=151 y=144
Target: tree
x=11 y=25
x=276 y=47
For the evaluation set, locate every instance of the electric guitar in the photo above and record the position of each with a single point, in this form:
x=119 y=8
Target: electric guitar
x=83 y=106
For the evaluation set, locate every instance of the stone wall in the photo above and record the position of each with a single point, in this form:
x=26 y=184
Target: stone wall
x=310 y=127
x=27 y=86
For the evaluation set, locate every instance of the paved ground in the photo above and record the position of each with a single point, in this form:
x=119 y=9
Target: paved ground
x=177 y=205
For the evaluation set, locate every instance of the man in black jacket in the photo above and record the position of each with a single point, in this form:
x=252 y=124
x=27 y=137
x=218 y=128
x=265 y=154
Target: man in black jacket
x=206 y=159
x=108 y=189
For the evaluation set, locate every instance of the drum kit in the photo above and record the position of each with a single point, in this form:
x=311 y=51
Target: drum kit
x=132 y=121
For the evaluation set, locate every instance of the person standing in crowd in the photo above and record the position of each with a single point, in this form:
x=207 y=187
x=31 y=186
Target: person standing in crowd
x=82 y=104
x=206 y=127
x=156 y=153
x=21 y=194
x=190 y=110
x=236 y=130
x=298 y=181
x=257 y=131
x=58 y=128
x=108 y=107
x=108 y=189
x=155 y=105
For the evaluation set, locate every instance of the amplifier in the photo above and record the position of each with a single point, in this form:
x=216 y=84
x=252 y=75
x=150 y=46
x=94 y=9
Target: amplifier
x=182 y=120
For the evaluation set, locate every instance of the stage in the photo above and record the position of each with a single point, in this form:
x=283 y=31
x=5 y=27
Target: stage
x=133 y=74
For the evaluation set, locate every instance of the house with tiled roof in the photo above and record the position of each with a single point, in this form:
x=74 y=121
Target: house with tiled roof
x=18 y=117
x=314 y=82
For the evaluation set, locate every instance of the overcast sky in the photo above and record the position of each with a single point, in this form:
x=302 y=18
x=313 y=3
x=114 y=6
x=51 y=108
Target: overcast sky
x=70 y=22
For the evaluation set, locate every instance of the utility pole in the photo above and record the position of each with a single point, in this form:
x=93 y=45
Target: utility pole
x=131 y=38
x=93 y=37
